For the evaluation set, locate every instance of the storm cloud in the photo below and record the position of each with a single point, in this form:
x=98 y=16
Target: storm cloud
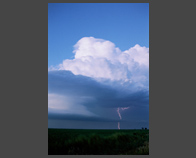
x=99 y=80
x=71 y=95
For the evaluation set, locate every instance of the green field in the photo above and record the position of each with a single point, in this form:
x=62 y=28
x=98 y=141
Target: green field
x=98 y=142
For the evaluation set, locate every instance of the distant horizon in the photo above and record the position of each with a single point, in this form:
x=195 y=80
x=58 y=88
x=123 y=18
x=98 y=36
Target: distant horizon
x=100 y=129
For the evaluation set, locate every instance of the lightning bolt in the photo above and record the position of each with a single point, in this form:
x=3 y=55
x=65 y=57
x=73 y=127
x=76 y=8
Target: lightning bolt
x=125 y=108
x=118 y=111
x=118 y=125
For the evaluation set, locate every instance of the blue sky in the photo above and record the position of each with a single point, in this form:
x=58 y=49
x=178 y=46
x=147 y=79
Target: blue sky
x=98 y=65
x=124 y=24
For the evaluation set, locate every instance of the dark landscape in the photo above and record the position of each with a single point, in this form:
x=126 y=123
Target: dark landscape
x=98 y=142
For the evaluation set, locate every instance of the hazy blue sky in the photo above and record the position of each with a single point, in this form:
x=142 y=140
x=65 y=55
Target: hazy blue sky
x=124 y=24
x=98 y=65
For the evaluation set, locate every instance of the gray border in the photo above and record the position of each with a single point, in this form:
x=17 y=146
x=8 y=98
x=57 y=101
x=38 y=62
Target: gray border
x=25 y=128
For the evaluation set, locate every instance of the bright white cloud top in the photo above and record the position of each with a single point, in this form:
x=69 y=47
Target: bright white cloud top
x=100 y=59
